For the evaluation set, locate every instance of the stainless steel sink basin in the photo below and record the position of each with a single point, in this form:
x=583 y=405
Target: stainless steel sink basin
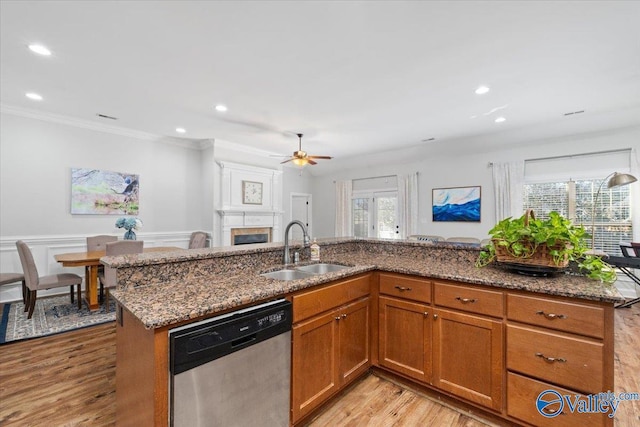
x=321 y=268
x=287 y=275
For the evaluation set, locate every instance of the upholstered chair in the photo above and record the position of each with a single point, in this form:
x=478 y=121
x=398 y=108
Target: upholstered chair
x=122 y=247
x=99 y=243
x=463 y=240
x=198 y=240
x=35 y=282
x=9 y=278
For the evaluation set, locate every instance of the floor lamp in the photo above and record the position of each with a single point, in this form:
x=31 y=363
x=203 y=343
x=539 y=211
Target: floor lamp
x=617 y=180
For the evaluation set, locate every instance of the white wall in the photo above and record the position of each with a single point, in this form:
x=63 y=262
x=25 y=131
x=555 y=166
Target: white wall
x=36 y=158
x=458 y=163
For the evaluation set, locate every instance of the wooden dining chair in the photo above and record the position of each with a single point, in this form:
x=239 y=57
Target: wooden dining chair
x=122 y=247
x=35 y=282
x=99 y=243
x=198 y=240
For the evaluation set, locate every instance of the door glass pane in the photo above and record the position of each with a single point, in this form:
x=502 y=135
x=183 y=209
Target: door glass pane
x=361 y=217
x=386 y=217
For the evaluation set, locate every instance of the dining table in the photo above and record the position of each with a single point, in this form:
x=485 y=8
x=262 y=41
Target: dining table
x=91 y=261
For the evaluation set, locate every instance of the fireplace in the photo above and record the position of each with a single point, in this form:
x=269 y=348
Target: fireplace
x=247 y=236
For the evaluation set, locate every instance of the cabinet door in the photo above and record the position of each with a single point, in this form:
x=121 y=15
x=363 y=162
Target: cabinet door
x=468 y=358
x=354 y=340
x=405 y=337
x=314 y=374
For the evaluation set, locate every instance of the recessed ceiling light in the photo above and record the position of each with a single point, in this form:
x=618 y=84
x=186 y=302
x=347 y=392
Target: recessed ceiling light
x=34 y=96
x=221 y=108
x=500 y=119
x=39 y=49
x=181 y=130
x=482 y=90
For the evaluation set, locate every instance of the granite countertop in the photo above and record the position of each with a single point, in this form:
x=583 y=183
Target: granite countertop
x=163 y=304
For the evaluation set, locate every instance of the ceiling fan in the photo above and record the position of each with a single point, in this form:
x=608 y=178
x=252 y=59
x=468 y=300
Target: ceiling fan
x=301 y=158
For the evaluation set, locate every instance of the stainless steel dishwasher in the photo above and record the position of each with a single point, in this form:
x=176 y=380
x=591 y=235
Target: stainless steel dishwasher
x=232 y=370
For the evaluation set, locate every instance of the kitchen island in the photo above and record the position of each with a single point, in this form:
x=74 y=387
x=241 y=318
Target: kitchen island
x=158 y=292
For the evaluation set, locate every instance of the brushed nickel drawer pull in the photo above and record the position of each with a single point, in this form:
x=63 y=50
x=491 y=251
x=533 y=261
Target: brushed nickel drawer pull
x=551 y=316
x=466 y=300
x=402 y=288
x=551 y=359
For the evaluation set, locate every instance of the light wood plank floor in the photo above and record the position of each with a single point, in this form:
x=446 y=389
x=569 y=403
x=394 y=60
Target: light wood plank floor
x=69 y=380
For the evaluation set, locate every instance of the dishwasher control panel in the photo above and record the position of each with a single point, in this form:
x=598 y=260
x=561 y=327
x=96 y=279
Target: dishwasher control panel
x=193 y=345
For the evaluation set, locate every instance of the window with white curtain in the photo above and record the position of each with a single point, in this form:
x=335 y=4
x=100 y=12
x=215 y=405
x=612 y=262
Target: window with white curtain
x=375 y=214
x=568 y=185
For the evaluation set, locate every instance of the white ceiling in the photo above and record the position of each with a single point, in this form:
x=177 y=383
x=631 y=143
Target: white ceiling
x=354 y=77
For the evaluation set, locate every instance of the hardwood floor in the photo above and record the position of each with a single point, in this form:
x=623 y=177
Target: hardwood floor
x=69 y=380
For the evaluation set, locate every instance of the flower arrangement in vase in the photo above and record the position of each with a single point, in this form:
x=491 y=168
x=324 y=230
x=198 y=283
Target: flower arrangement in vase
x=129 y=224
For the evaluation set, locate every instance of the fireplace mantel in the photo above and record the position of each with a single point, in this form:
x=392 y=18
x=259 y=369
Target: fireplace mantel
x=234 y=213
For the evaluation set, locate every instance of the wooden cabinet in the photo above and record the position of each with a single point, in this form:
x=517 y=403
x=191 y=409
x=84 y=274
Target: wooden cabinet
x=404 y=337
x=468 y=357
x=468 y=349
x=559 y=345
x=331 y=337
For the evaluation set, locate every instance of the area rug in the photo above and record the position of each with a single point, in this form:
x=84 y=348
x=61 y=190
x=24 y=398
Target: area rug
x=52 y=315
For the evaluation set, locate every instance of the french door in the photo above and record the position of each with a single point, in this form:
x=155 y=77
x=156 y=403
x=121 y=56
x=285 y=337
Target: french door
x=376 y=215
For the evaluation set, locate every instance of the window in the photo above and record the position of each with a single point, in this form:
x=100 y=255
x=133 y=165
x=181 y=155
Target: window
x=375 y=215
x=575 y=200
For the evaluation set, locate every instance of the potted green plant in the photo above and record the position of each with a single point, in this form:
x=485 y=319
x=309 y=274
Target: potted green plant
x=551 y=243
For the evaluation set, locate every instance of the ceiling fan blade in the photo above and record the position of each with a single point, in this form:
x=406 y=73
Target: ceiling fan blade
x=320 y=157
x=311 y=162
x=288 y=160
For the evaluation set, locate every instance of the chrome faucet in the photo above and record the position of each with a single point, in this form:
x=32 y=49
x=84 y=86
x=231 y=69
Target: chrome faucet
x=287 y=258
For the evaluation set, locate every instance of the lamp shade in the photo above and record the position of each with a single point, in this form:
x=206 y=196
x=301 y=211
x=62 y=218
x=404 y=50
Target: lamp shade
x=620 y=179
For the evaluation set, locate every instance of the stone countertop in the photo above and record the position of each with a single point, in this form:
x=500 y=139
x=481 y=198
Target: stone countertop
x=164 y=304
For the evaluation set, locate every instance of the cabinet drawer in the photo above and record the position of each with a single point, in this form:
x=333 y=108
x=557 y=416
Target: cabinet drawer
x=405 y=287
x=317 y=301
x=522 y=394
x=470 y=299
x=560 y=315
x=568 y=361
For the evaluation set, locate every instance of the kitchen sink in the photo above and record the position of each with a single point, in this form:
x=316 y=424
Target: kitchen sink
x=321 y=268
x=304 y=271
x=287 y=275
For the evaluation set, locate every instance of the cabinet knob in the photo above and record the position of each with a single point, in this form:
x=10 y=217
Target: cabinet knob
x=426 y=313
x=337 y=318
x=551 y=359
x=343 y=316
x=435 y=316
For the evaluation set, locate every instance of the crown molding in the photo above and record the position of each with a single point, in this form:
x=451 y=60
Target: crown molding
x=227 y=145
x=98 y=127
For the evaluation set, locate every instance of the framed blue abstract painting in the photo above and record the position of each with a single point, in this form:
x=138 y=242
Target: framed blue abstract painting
x=456 y=204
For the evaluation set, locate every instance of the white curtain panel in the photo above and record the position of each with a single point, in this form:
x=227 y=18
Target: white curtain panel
x=408 y=204
x=343 y=208
x=634 y=167
x=508 y=180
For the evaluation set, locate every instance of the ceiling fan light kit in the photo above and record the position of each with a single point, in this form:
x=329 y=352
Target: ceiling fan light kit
x=301 y=158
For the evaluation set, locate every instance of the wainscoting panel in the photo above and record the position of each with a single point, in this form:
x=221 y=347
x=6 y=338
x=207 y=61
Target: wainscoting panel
x=44 y=248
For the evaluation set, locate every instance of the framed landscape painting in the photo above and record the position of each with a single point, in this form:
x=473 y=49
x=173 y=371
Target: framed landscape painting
x=456 y=204
x=99 y=192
